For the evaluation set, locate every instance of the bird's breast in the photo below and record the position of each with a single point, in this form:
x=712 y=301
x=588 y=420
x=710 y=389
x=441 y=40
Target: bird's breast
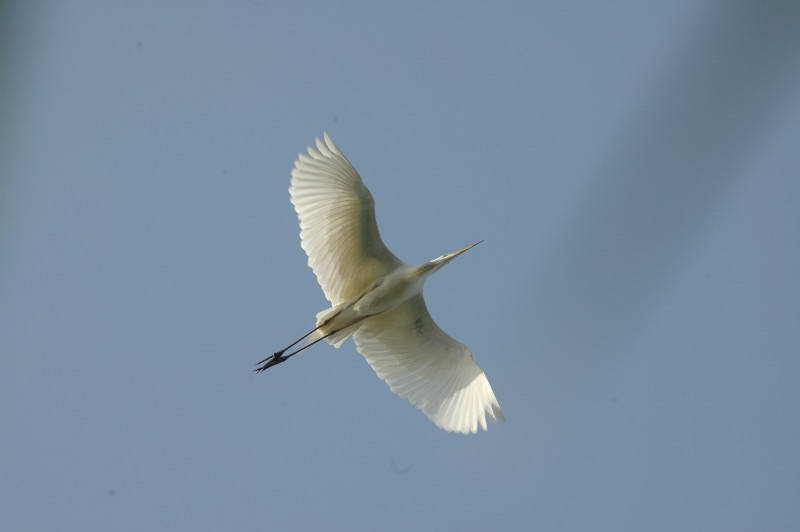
x=387 y=293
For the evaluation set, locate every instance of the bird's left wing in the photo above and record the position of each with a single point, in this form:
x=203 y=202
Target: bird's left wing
x=338 y=230
x=421 y=363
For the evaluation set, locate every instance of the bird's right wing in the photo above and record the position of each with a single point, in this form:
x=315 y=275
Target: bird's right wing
x=433 y=371
x=338 y=230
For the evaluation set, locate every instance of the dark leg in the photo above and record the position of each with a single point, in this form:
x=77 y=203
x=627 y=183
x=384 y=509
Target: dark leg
x=279 y=354
x=278 y=357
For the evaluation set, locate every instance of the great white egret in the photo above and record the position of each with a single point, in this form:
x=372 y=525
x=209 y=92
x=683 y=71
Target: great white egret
x=377 y=298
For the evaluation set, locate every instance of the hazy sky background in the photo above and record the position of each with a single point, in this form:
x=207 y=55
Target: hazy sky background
x=632 y=167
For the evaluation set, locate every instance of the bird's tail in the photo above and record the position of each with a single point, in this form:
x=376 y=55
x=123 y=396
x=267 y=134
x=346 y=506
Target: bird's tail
x=334 y=319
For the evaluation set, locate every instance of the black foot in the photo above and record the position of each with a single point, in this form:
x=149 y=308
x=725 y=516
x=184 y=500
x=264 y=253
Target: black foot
x=270 y=361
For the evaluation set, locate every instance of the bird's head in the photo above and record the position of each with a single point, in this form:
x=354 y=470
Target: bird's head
x=434 y=265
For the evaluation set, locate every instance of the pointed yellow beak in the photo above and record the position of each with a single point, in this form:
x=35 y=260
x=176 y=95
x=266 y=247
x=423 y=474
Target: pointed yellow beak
x=434 y=265
x=451 y=256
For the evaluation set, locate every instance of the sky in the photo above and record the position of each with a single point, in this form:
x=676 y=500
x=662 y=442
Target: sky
x=632 y=168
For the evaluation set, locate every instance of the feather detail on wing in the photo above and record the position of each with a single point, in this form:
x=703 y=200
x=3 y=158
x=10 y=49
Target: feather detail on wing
x=338 y=231
x=421 y=363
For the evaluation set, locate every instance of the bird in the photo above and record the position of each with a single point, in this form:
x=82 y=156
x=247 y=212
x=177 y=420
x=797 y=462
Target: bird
x=377 y=299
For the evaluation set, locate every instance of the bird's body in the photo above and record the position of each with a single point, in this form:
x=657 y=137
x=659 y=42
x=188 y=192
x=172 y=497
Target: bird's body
x=377 y=298
x=385 y=293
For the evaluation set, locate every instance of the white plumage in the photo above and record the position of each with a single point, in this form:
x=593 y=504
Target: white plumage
x=378 y=298
x=420 y=362
x=338 y=231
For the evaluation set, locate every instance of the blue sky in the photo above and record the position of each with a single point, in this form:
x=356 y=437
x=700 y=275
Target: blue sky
x=632 y=168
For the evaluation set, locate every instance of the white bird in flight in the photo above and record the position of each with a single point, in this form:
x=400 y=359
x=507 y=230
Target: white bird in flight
x=377 y=298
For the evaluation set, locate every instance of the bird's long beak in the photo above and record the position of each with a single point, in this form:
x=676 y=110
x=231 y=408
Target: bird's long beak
x=438 y=262
x=451 y=256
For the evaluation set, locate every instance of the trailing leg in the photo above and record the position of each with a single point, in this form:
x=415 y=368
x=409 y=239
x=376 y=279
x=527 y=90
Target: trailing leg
x=278 y=357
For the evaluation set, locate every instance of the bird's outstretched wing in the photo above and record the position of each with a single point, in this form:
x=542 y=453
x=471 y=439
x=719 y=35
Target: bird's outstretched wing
x=433 y=371
x=338 y=231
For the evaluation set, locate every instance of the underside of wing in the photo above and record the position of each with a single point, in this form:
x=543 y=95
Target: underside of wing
x=338 y=231
x=421 y=363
